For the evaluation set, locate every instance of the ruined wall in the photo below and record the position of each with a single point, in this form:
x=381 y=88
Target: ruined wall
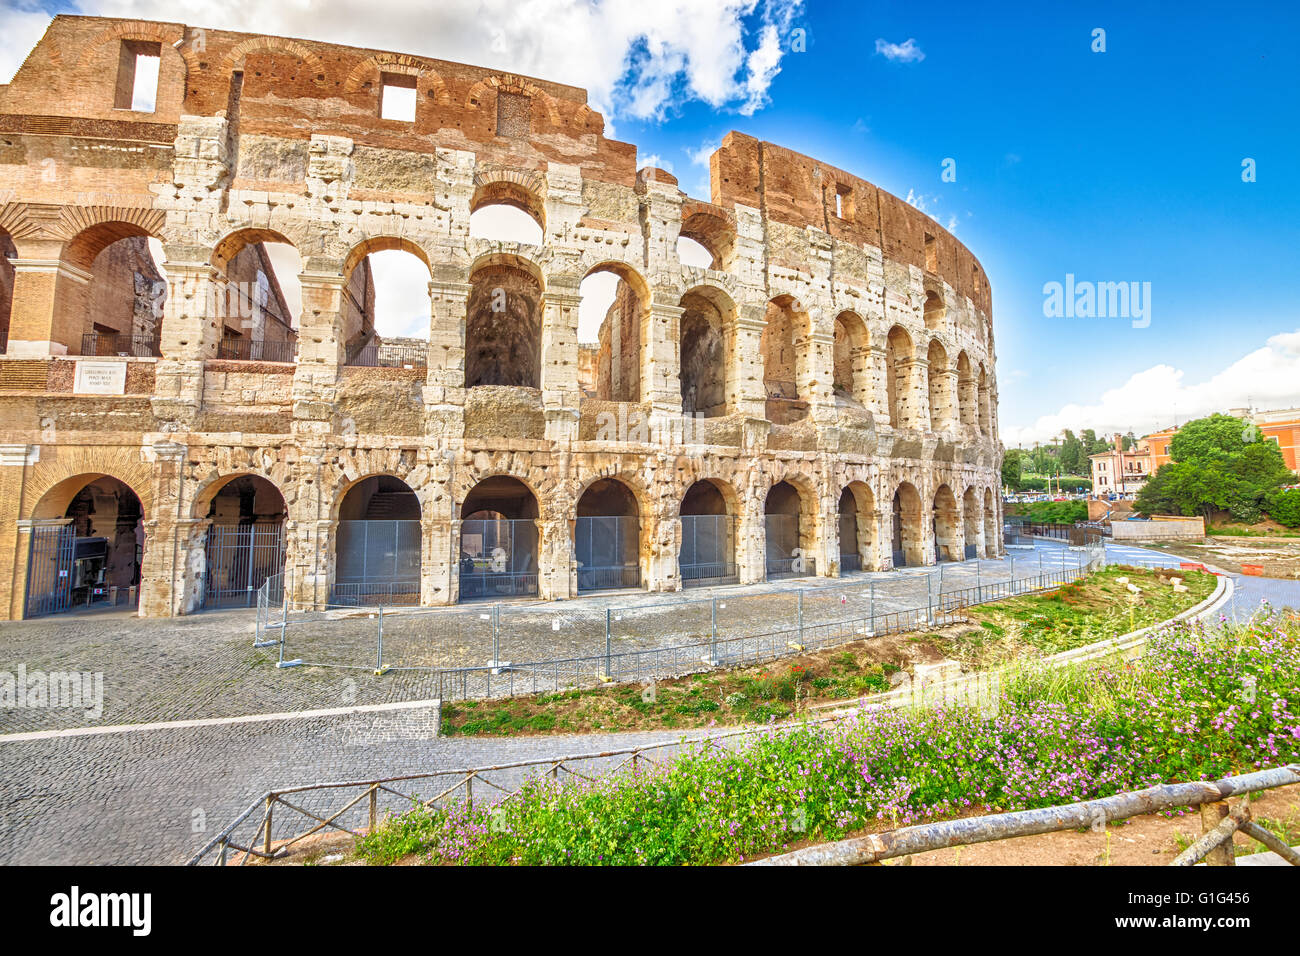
x=261 y=139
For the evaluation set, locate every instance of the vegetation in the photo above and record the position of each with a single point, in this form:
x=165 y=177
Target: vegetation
x=1218 y=464
x=1197 y=705
x=1051 y=512
x=1093 y=608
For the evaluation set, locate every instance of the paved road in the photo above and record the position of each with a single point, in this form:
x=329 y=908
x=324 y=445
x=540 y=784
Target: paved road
x=158 y=795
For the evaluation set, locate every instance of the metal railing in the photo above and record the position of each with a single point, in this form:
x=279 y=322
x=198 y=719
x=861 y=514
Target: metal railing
x=727 y=630
x=779 y=568
x=251 y=350
x=599 y=579
x=1216 y=840
x=121 y=343
x=380 y=355
x=708 y=575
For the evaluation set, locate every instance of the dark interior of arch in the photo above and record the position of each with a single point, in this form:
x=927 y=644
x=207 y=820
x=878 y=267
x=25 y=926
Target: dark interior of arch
x=607 y=497
x=107 y=508
x=703 y=359
x=503 y=329
x=380 y=498
x=499 y=497
x=704 y=498
x=248 y=499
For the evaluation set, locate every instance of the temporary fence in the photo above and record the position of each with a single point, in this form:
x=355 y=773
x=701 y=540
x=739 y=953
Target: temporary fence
x=506 y=649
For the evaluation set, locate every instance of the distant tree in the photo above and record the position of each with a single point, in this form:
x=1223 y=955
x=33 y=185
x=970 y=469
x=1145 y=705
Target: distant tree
x=1217 y=463
x=1011 y=469
x=1072 y=455
x=1283 y=506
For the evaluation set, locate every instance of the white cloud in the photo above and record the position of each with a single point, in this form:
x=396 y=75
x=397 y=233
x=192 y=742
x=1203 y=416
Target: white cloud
x=905 y=52
x=635 y=59
x=1266 y=378
x=655 y=160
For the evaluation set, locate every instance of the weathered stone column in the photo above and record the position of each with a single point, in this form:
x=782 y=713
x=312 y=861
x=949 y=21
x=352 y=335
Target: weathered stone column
x=555 y=562
x=48 y=313
x=191 y=564
x=828 y=539
x=815 y=368
x=444 y=389
x=947 y=389
x=746 y=393
x=165 y=572
x=15 y=529
x=661 y=386
x=751 y=541
x=559 y=370
x=915 y=394
x=661 y=542
x=880 y=385
x=190 y=333
x=320 y=350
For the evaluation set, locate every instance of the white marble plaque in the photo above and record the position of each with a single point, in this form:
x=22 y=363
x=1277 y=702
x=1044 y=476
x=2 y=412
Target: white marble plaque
x=101 y=378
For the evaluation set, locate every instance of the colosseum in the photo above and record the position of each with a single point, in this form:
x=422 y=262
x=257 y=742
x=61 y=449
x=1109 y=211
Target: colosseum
x=181 y=424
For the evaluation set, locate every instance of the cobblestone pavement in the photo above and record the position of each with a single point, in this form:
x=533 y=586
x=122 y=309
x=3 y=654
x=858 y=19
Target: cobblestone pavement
x=138 y=796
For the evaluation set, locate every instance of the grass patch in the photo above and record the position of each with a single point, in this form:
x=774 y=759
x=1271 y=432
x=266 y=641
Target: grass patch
x=1177 y=713
x=1096 y=607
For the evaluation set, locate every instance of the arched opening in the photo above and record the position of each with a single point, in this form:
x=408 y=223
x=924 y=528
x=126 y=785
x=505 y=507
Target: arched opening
x=503 y=325
x=87 y=547
x=377 y=544
x=857 y=528
x=990 y=526
x=119 y=310
x=707 y=237
x=498 y=540
x=936 y=313
x=783 y=362
x=703 y=352
x=852 y=359
x=946 y=526
x=908 y=544
x=386 y=305
x=507 y=212
x=986 y=424
x=789 y=526
x=607 y=537
x=898 y=365
x=8 y=252
x=967 y=392
x=258 y=296
x=708 y=552
x=940 y=387
x=245 y=541
x=611 y=320
x=693 y=253
x=971 y=522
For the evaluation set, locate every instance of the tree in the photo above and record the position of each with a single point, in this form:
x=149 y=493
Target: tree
x=1218 y=463
x=1284 y=506
x=1011 y=469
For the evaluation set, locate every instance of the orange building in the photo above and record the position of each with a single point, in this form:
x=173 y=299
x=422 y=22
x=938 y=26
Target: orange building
x=1281 y=426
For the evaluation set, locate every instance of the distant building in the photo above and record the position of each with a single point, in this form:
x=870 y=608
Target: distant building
x=1119 y=472
x=1281 y=426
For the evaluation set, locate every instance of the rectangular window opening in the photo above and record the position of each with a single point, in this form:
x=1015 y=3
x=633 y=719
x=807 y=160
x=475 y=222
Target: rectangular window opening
x=397 y=97
x=931 y=254
x=844 y=203
x=137 y=76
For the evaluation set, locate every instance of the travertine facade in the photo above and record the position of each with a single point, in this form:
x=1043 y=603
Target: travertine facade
x=841 y=341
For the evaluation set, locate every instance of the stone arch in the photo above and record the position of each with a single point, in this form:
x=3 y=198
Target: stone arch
x=898 y=365
x=790 y=518
x=623 y=333
x=233 y=61
x=522 y=189
x=935 y=312
x=498 y=549
x=367 y=341
x=970 y=511
x=503 y=325
x=607 y=535
x=510 y=83
x=991 y=528
x=859 y=521
x=785 y=362
x=370 y=70
x=708 y=512
x=939 y=386
x=244 y=543
x=708 y=317
x=852 y=376
x=985 y=417
x=86 y=544
x=378 y=542
x=382 y=243
x=908 y=535
x=946 y=526
x=712 y=228
x=256 y=320
x=967 y=392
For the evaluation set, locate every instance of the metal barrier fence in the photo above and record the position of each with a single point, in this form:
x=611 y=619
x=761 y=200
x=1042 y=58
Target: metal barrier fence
x=381 y=355
x=120 y=343
x=500 y=650
x=257 y=350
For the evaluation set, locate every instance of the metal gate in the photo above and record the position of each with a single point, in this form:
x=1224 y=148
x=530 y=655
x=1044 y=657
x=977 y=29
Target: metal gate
x=608 y=550
x=239 y=560
x=377 y=562
x=49 y=569
x=498 y=558
x=707 y=555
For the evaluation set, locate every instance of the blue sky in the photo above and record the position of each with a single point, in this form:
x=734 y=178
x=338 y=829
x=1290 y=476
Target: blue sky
x=1117 y=166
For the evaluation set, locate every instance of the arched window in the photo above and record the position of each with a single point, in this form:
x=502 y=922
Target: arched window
x=708 y=551
x=258 y=297
x=703 y=371
x=386 y=308
x=852 y=359
x=245 y=540
x=611 y=319
x=503 y=326
x=377 y=544
x=607 y=537
x=898 y=367
x=785 y=357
